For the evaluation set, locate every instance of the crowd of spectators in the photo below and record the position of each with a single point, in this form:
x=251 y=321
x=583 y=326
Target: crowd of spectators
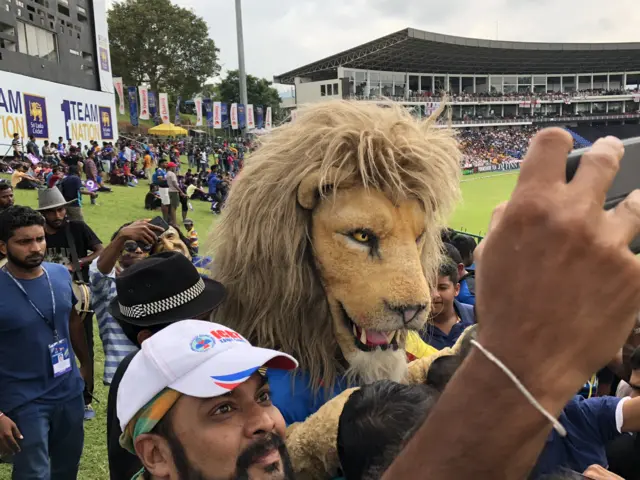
x=482 y=147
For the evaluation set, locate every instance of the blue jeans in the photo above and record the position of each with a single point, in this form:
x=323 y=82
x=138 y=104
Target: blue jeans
x=53 y=440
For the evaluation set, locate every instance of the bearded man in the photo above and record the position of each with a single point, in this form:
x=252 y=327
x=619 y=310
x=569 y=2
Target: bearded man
x=6 y=195
x=67 y=238
x=205 y=411
x=41 y=404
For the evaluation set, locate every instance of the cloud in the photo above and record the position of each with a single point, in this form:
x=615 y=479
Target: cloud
x=281 y=35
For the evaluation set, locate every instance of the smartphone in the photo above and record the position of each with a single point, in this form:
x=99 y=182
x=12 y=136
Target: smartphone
x=626 y=181
x=159 y=222
x=573 y=475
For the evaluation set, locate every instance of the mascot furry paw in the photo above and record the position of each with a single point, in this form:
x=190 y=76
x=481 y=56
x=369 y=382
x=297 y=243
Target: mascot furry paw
x=328 y=244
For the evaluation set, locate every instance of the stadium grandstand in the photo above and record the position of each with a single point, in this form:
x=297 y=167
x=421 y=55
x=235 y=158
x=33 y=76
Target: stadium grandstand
x=499 y=92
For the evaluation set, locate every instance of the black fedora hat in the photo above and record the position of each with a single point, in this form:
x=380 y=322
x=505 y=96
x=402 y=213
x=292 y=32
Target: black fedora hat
x=161 y=289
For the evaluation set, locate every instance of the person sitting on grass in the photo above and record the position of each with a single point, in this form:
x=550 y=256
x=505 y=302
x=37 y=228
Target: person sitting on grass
x=54 y=176
x=22 y=181
x=116 y=177
x=128 y=177
x=195 y=191
x=152 y=199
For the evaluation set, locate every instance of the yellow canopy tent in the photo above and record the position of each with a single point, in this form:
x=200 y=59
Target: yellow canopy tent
x=167 y=130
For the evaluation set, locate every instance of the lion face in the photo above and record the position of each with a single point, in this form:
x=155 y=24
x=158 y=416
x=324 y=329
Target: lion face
x=368 y=252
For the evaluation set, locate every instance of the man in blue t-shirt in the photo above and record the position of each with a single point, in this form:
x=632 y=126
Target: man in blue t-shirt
x=72 y=189
x=159 y=178
x=41 y=404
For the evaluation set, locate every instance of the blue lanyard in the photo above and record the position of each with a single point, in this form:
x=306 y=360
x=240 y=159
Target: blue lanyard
x=50 y=323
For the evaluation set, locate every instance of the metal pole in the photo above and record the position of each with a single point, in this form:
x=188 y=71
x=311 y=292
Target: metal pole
x=241 y=70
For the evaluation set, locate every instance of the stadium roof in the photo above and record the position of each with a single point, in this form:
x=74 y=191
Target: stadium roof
x=412 y=50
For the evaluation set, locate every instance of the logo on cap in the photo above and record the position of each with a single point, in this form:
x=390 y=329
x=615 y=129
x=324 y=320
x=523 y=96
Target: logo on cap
x=231 y=381
x=226 y=335
x=202 y=343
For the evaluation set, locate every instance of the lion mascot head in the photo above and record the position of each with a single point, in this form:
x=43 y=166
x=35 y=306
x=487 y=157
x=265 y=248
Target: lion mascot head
x=330 y=238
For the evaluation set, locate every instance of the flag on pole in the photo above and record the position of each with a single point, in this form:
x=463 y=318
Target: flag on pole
x=224 y=108
x=198 y=102
x=144 y=102
x=242 y=118
x=164 y=108
x=119 y=86
x=133 y=105
x=234 y=116
x=251 y=123
x=259 y=118
x=268 y=122
x=177 y=116
x=217 y=115
x=208 y=108
x=153 y=107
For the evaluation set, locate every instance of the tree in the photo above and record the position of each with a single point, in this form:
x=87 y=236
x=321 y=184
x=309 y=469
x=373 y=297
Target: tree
x=166 y=46
x=209 y=90
x=259 y=90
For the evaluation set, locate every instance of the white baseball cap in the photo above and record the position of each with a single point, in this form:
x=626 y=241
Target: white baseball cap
x=196 y=358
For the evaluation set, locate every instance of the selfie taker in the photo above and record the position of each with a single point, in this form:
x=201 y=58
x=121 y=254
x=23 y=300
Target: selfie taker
x=41 y=404
x=130 y=244
x=193 y=404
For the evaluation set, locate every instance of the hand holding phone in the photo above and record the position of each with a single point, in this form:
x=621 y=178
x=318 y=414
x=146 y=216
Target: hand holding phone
x=159 y=222
x=626 y=181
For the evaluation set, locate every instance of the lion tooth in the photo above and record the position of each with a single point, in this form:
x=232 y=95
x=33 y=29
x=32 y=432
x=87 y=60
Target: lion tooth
x=355 y=330
x=390 y=336
x=363 y=336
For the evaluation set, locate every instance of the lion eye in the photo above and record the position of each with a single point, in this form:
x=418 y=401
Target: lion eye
x=361 y=236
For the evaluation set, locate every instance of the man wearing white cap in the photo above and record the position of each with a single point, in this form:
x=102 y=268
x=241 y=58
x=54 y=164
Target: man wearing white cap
x=193 y=405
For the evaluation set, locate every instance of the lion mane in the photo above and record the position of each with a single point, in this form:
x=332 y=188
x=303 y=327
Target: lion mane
x=262 y=244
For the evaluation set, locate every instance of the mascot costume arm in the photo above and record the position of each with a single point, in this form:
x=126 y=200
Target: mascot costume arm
x=312 y=444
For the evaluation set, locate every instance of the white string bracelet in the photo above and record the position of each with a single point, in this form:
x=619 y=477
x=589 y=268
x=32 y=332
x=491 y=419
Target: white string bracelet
x=554 y=421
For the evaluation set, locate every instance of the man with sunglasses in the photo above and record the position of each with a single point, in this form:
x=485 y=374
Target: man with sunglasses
x=131 y=243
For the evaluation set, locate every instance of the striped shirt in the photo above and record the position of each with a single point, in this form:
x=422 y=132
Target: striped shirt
x=115 y=343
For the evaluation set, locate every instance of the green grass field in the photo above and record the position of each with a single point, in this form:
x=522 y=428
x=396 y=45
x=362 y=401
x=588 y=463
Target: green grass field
x=480 y=194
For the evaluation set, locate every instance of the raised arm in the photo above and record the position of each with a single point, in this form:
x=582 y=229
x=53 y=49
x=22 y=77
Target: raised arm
x=547 y=314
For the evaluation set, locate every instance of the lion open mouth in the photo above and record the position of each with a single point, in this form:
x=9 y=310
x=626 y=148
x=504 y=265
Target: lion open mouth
x=367 y=339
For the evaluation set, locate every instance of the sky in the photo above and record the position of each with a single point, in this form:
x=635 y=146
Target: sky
x=280 y=35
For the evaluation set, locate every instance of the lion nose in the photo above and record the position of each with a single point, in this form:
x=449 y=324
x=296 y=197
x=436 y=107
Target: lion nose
x=408 y=312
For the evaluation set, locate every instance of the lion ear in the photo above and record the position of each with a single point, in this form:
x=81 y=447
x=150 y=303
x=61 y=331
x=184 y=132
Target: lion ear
x=317 y=183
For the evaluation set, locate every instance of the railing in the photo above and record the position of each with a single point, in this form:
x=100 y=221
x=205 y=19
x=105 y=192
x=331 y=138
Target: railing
x=477 y=237
x=497 y=121
x=570 y=118
x=516 y=98
x=529 y=120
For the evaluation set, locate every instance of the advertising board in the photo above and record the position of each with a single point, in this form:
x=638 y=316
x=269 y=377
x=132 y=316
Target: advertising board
x=47 y=110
